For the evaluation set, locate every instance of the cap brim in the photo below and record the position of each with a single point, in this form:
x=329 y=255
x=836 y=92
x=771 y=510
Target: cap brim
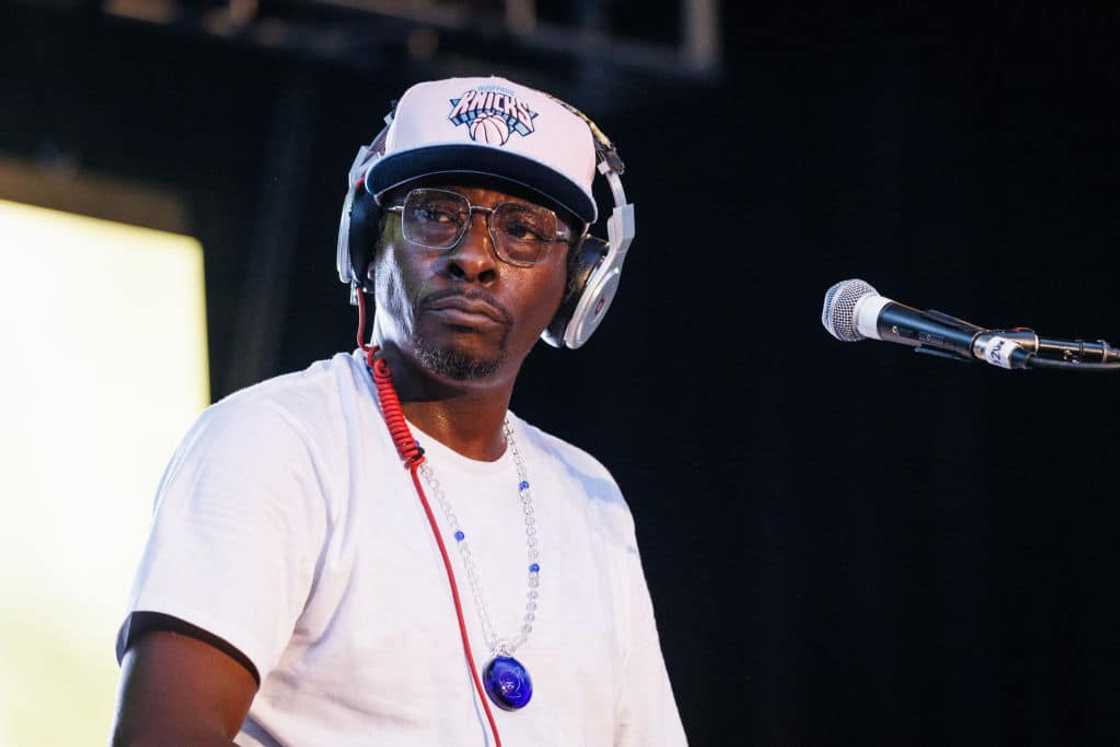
x=398 y=168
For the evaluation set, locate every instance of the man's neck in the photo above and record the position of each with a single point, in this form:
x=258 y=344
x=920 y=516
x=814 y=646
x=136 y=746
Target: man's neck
x=466 y=419
x=465 y=426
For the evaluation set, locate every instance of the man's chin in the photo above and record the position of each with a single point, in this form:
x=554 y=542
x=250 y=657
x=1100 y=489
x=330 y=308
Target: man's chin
x=453 y=362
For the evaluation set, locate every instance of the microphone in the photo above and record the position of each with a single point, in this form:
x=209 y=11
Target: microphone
x=854 y=310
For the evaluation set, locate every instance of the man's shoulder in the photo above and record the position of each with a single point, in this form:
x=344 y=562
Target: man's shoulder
x=313 y=393
x=561 y=449
x=577 y=462
x=303 y=407
x=294 y=419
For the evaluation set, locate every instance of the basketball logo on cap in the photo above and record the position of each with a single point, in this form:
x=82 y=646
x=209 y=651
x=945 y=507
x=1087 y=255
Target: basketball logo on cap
x=492 y=114
x=490 y=129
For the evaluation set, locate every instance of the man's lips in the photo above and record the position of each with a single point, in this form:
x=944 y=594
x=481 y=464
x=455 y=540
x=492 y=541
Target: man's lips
x=469 y=309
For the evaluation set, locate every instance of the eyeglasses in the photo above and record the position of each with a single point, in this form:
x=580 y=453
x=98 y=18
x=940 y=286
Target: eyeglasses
x=521 y=233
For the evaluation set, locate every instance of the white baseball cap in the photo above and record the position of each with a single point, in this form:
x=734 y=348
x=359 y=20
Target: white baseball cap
x=490 y=126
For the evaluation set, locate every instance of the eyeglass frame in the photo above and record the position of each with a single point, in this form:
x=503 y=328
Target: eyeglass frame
x=563 y=231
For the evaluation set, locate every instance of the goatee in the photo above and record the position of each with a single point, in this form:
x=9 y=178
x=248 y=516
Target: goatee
x=452 y=363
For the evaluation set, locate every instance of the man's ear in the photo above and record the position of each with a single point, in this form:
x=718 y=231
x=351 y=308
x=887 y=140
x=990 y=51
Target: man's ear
x=376 y=240
x=369 y=278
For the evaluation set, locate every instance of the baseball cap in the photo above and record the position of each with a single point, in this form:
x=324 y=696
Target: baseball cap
x=494 y=127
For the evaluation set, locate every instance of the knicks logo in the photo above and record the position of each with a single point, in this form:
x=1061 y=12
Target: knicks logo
x=491 y=115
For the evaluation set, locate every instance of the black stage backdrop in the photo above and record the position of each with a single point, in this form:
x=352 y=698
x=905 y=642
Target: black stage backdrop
x=846 y=544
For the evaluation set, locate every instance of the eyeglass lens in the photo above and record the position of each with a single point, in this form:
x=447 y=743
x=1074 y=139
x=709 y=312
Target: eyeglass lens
x=438 y=219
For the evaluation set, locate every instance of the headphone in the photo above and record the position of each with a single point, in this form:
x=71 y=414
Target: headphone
x=594 y=269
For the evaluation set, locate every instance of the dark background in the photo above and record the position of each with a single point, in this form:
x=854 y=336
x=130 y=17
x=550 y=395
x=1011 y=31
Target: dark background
x=845 y=543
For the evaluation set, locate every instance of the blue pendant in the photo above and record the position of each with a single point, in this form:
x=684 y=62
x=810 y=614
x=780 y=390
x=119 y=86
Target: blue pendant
x=507 y=683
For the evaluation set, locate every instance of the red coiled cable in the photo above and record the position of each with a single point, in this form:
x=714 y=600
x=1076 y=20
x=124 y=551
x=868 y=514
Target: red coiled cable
x=413 y=457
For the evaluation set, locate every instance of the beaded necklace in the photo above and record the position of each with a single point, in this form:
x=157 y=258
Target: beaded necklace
x=506 y=679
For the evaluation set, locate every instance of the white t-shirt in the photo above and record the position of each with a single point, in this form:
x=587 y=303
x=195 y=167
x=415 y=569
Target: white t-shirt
x=287 y=526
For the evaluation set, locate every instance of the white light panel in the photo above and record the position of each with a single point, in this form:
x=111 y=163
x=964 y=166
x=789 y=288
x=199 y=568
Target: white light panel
x=103 y=369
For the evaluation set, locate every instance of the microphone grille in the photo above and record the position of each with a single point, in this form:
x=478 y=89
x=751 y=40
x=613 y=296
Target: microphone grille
x=838 y=314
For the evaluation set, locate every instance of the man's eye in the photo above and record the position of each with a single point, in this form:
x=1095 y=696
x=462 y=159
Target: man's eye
x=431 y=214
x=523 y=232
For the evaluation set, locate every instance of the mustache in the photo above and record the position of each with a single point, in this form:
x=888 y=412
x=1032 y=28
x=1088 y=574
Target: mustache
x=470 y=294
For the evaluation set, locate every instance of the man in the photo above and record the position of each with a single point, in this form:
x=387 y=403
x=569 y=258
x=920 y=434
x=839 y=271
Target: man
x=376 y=550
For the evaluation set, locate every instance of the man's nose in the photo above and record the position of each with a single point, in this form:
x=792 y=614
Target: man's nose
x=473 y=259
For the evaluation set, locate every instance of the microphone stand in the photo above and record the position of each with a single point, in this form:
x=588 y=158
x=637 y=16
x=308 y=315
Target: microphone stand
x=1036 y=352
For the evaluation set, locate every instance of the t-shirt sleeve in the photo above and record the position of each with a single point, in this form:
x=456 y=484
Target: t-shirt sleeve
x=648 y=711
x=239 y=522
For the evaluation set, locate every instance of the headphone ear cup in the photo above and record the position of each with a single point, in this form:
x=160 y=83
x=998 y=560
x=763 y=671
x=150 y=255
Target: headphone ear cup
x=364 y=233
x=580 y=268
